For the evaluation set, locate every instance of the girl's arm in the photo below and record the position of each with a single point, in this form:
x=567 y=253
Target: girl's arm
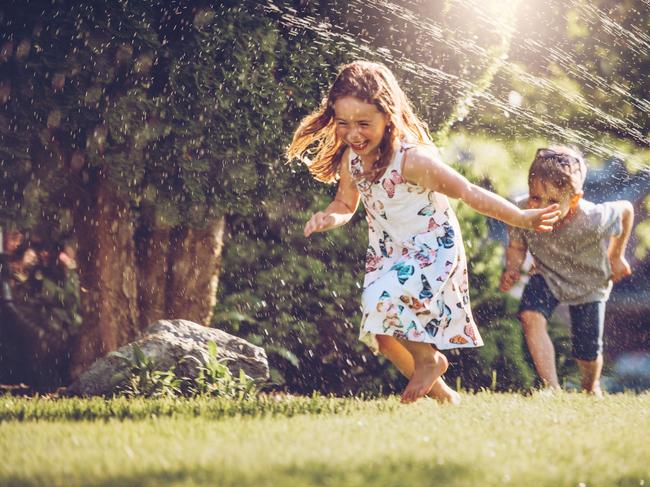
x=342 y=208
x=424 y=168
x=617 y=244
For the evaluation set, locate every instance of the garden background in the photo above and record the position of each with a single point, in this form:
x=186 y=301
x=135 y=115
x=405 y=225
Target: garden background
x=143 y=177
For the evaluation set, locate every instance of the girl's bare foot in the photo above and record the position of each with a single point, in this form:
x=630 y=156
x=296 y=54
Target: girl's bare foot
x=428 y=368
x=441 y=392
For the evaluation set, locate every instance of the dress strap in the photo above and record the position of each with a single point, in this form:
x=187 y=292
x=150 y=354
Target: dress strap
x=398 y=160
x=351 y=158
x=406 y=145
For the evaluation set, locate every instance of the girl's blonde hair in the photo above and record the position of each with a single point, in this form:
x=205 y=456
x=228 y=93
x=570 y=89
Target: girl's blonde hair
x=315 y=141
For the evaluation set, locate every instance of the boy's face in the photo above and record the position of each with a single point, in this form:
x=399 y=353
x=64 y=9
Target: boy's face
x=544 y=193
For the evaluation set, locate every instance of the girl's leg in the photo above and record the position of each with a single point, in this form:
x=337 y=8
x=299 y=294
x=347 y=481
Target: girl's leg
x=403 y=360
x=429 y=364
x=540 y=346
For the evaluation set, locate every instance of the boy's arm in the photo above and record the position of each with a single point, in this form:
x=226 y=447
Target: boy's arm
x=618 y=243
x=341 y=209
x=515 y=255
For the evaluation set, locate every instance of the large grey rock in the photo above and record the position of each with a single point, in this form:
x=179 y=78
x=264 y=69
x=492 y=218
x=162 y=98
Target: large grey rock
x=166 y=342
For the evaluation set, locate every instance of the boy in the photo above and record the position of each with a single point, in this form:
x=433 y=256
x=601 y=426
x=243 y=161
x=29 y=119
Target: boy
x=575 y=264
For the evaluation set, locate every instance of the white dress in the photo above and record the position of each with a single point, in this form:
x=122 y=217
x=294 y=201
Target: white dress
x=416 y=286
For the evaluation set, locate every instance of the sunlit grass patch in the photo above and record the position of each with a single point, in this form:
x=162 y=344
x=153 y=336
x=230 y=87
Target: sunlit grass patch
x=489 y=440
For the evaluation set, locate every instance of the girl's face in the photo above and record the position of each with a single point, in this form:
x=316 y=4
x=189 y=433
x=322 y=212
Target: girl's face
x=543 y=193
x=360 y=125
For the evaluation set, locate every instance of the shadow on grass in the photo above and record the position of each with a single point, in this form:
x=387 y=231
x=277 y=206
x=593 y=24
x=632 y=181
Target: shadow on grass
x=384 y=474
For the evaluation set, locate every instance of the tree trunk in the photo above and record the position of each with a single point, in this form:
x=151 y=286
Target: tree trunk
x=174 y=276
x=195 y=264
x=153 y=263
x=107 y=273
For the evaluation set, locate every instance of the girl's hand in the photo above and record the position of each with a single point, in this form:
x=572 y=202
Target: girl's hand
x=319 y=222
x=508 y=279
x=620 y=268
x=541 y=219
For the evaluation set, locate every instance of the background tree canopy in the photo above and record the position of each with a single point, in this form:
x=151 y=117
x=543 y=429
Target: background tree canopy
x=149 y=136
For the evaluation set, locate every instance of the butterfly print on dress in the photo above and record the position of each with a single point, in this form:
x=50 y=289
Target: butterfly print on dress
x=404 y=271
x=389 y=183
x=386 y=245
x=373 y=261
x=447 y=240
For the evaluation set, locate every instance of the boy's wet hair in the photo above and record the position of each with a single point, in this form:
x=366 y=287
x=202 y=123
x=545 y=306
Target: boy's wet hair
x=563 y=167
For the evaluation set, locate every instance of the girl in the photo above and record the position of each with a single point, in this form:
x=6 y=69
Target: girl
x=415 y=292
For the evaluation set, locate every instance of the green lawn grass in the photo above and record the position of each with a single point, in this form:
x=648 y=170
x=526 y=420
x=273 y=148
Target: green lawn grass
x=489 y=440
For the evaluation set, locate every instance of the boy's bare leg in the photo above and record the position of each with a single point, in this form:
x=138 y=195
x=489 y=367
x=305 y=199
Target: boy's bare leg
x=590 y=371
x=540 y=347
x=429 y=365
x=403 y=360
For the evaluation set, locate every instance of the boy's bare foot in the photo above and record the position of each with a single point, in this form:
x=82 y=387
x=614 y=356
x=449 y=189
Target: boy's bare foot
x=596 y=391
x=549 y=391
x=427 y=371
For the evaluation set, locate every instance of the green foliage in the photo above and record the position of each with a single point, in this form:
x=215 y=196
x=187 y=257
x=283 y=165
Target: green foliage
x=577 y=73
x=177 y=110
x=46 y=297
x=52 y=293
x=142 y=377
x=177 y=107
x=223 y=107
x=642 y=232
x=505 y=356
x=215 y=379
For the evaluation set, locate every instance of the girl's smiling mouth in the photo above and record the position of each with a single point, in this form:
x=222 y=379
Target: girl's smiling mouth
x=358 y=147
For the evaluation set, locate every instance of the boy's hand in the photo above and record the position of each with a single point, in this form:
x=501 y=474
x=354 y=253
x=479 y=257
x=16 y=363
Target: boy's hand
x=508 y=279
x=541 y=219
x=319 y=222
x=620 y=268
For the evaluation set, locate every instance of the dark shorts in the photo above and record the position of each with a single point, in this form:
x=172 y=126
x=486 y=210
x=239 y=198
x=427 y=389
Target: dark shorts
x=587 y=320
